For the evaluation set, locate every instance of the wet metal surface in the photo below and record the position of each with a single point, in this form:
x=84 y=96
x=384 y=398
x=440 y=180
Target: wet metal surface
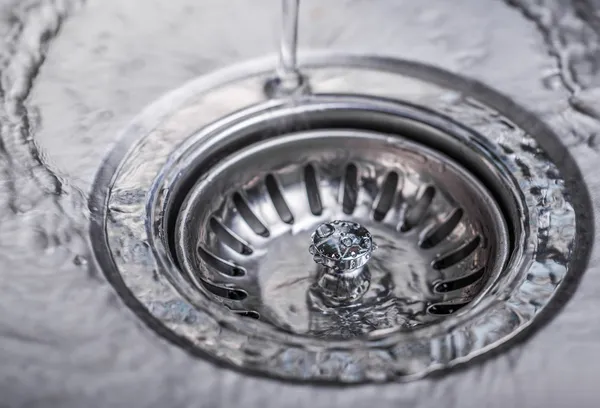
x=404 y=194
x=66 y=336
x=502 y=150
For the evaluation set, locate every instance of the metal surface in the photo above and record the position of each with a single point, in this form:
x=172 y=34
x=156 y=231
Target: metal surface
x=241 y=234
x=208 y=125
x=73 y=76
x=342 y=249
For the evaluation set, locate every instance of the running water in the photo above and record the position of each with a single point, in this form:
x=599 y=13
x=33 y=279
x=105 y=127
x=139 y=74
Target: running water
x=287 y=70
x=288 y=80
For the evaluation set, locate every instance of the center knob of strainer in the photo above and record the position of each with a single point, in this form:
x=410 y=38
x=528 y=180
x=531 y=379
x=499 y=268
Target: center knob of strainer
x=342 y=248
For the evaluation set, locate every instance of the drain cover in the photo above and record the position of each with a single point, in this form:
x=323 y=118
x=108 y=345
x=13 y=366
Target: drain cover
x=348 y=235
x=243 y=232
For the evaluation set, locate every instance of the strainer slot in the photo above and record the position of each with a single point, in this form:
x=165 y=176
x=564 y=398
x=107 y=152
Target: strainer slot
x=386 y=196
x=247 y=313
x=312 y=190
x=460 y=283
x=415 y=214
x=350 y=192
x=229 y=238
x=457 y=255
x=441 y=232
x=445 y=308
x=224 y=292
x=248 y=215
x=278 y=200
x=225 y=267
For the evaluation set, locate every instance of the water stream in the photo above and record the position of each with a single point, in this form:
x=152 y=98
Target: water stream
x=287 y=70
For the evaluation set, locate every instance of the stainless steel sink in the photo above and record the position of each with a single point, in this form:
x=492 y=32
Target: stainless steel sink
x=175 y=233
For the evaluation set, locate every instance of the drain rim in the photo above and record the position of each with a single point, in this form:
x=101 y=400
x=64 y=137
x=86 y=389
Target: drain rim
x=433 y=76
x=229 y=127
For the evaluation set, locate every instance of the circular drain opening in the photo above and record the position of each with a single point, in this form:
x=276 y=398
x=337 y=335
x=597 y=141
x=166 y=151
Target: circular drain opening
x=488 y=173
x=242 y=235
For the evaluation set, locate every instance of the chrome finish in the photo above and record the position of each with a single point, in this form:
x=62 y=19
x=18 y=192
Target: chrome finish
x=241 y=234
x=342 y=248
x=206 y=152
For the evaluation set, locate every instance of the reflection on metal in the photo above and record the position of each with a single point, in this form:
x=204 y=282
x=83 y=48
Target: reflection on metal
x=285 y=195
x=342 y=248
x=234 y=185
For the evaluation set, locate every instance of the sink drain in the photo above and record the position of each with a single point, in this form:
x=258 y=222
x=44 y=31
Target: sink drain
x=338 y=236
x=243 y=232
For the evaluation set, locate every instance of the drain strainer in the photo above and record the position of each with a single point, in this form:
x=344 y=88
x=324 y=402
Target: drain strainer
x=338 y=236
x=244 y=232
